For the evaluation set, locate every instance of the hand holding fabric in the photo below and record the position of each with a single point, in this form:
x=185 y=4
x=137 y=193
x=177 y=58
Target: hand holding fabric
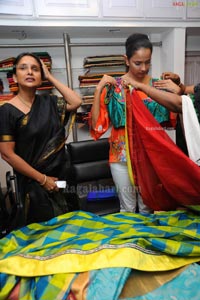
x=106 y=79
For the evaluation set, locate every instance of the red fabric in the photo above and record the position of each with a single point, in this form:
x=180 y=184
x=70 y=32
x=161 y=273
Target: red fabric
x=166 y=177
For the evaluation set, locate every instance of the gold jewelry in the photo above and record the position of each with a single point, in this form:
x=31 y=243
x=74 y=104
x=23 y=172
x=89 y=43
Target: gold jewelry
x=44 y=181
x=24 y=102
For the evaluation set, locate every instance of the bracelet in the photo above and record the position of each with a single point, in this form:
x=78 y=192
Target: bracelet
x=44 y=181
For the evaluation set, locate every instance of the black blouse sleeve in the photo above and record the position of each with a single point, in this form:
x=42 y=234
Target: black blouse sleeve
x=7 y=127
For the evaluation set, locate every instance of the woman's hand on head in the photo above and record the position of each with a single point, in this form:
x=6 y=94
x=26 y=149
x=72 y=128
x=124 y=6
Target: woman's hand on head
x=45 y=70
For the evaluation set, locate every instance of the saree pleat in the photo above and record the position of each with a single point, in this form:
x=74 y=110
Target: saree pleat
x=166 y=177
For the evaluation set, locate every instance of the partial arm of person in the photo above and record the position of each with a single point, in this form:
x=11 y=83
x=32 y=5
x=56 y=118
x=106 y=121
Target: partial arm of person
x=173 y=76
x=172 y=102
x=180 y=88
x=21 y=166
x=73 y=100
x=187 y=89
x=169 y=85
x=106 y=79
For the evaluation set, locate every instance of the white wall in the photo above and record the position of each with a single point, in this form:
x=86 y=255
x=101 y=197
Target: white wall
x=173 y=51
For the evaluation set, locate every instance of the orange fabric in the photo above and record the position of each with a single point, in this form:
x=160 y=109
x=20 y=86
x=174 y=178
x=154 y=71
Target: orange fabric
x=79 y=287
x=167 y=178
x=117 y=136
x=14 y=295
x=103 y=121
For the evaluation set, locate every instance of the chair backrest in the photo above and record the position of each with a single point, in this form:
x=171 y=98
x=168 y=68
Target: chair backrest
x=89 y=160
x=89 y=163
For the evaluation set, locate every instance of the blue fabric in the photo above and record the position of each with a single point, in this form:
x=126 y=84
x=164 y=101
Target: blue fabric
x=107 y=284
x=184 y=287
x=99 y=195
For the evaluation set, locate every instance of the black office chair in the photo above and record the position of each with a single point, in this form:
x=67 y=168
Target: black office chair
x=90 y=176
x=3 y=214
x=11 y=208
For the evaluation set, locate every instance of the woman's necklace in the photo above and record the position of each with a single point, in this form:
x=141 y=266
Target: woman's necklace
x=24 y=102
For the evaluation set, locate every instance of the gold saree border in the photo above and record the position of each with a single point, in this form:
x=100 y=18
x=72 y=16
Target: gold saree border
x=106 y=258
x=128 y=159
x=6 y=138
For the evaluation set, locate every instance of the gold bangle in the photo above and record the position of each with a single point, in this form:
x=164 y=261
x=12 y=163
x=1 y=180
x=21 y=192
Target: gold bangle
x=44 y=181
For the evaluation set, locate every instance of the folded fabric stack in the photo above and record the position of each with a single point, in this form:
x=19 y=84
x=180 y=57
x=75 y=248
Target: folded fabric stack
x=104 y=60
x=6 y=64
x=90 y=80
x=4 y=97
x=13 y=87
x=97 y=66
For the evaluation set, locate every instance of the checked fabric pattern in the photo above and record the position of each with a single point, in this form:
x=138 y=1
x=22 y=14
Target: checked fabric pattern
x=46 y=257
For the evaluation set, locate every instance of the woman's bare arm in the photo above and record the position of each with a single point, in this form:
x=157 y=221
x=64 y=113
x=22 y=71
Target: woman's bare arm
x=72 y=99
x=180 y=89
x=21 y=166
x=172 y=102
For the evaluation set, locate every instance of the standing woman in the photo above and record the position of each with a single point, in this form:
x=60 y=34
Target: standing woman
x=32 y=138
x=109 y=108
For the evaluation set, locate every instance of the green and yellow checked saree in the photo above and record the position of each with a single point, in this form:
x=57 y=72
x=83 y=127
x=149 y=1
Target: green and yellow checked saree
x=46 y=260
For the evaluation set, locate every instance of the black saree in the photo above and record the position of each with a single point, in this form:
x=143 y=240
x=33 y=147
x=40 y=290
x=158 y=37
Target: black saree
x=40 y=139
